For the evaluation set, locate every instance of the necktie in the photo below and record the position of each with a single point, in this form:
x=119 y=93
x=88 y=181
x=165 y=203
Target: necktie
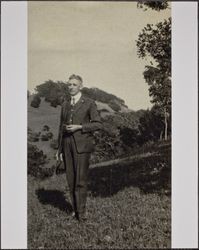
x=73 y=101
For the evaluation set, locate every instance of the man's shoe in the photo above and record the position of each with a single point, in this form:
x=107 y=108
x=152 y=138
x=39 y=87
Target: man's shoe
x=74 y=215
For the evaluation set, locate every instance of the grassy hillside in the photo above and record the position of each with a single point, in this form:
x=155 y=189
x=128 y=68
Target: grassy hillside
x=127 y=208
x=45 y=114
x=48 y=115
x=129 y=203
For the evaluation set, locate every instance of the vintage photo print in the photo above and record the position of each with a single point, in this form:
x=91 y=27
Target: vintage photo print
x=99 y=124
x=87 y=124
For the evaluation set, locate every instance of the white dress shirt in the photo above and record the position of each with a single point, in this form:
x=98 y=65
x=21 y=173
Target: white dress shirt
x=76 y=98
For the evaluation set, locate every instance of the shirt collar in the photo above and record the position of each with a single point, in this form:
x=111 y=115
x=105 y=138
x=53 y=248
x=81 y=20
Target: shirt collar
x=77 y=97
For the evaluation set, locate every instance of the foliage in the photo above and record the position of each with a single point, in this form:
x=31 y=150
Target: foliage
x=38 y=164
x=129 y=136
x=55 y=102
x=118 y=137
x=116 y=107
x=108 y=145
x=155 y=5
x=150 y=126
x=54 y=92
x=155 y=41
x=36 y=159
x=124 y=132
x=46 y=136
x=33 y=137
x=57 y=92
x=36 y=101
x=46 y=128
x=50 y=135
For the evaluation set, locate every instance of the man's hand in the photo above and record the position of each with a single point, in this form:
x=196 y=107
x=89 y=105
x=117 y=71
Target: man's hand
x=72 y=128
x=59 y=156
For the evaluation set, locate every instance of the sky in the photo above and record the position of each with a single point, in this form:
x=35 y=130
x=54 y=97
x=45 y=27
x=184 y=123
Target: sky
x=96 y=40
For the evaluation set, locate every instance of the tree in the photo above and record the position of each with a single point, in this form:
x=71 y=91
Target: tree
x=53 y=92
x=155 y=41
x=155 y=5
x=36 y=101
x=150 y=126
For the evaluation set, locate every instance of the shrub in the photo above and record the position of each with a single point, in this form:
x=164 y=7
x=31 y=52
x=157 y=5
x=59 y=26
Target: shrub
x=33 y=136
x=38 y=165
x=50 y=135
x=46 y=128
x=129 y=136
x=44 y=137
x=36 y=158
x=116 y=107
x=47 y=136
x=55 y=102
x=36 y=101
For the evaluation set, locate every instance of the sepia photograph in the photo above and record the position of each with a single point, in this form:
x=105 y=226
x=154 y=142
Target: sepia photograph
x=99 y=125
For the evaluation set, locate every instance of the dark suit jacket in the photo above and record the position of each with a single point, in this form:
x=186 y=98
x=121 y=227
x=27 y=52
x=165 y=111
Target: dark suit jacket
x=85 y=113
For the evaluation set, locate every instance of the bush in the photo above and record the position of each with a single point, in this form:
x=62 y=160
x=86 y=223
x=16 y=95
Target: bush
x=38 y=165
x=33 y=136
x=44 y=137
x=46 y=128
x=47 y=136
x=54 y=103
x=36 y=158
x=36 y=101
x=116 y=107
x=129 y=136
x=50 y=135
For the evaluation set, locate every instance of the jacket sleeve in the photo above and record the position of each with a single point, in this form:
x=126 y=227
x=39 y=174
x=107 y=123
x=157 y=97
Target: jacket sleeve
x=60 y=131
x=95 y=120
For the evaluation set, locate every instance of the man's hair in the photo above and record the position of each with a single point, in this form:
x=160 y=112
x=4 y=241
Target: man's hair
x=76 y=77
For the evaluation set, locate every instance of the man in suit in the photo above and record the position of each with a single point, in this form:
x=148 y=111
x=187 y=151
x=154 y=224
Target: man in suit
x=79 y=118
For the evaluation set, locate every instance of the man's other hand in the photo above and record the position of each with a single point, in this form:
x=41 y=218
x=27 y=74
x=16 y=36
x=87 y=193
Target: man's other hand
x=59 y=156
x=72 y=128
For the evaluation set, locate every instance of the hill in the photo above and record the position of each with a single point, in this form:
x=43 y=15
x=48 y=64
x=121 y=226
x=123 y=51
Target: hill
x=57 y=92
x=123 y=130
x=46 y=114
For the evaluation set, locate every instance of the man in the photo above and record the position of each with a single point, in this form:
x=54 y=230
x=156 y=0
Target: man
x=79 y=118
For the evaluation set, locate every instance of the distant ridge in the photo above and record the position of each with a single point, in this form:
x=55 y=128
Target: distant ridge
x=56 y=92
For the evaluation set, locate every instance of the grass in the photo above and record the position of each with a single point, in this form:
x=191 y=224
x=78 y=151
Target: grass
x=127 y=207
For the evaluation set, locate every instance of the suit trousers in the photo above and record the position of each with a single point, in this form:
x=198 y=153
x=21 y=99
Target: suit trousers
x=76 y=165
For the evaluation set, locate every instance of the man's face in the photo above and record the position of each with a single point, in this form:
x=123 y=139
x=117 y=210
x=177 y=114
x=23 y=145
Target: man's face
x=74 y=86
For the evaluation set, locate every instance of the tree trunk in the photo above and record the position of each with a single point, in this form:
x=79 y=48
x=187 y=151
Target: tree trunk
x=165 y=125
x=161 y=135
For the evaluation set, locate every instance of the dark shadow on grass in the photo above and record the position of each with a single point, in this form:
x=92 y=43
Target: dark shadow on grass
x=151 y=174
x=55 y=198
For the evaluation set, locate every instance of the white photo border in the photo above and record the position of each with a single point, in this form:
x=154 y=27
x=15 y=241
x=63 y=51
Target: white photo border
x=14 y=125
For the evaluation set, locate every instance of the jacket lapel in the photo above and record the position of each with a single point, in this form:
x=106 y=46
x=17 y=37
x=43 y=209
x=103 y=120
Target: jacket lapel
x=66 y=109
x=79 y=103
x=77 y=106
